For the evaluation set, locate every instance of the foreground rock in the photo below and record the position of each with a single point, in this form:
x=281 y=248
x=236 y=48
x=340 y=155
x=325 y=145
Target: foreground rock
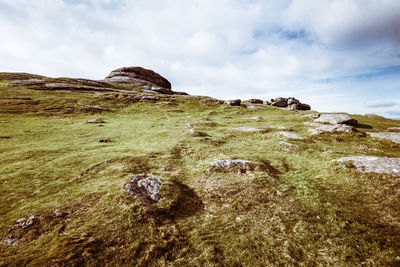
x=375 y=164
x=290 y=103
x=146 y=189
x=392 y=136
x=97 y=120
x=28 y=221
x=337 y=119
x=322 y=128
x=247 y=129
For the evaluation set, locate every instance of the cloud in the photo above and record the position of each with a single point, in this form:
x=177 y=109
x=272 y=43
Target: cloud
x=381 y=104
x=225 y=49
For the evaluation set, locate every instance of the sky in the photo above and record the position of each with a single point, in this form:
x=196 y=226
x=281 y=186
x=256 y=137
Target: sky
x=336 y=55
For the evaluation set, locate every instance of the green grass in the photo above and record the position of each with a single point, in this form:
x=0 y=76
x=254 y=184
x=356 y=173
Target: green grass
x=302 y=209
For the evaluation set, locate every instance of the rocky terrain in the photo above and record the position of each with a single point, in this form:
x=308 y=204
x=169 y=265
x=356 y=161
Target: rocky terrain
x=127 y=171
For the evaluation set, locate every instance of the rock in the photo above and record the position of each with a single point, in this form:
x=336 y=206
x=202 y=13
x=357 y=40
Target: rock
x=290 y=103
x=392 y=136
x=337 y=119
x=146 y=189
x=257 y=118
x=189 y=125
x=58 y=213
x=253 y=107
x=394 y=128
x=10 y=241
x=137 y=75
x=247 y=129
x=150 y=98
x=313 y=124
x=234 y=164
x=235 y=102
x=291 y=135
x=191 y=131
x=97 y=120
x=5 y=137
x=94 y=107
x=279 y=102
x=26 y=82
x=371 y=115
x=28 y=221
x=312 y=116
x=255 y=101
x=108 y=140
x=197 y=133
x=285 y=143
x=278 y=127
x=375 y=164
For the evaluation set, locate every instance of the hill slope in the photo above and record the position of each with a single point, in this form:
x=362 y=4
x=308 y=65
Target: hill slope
x=294 y=204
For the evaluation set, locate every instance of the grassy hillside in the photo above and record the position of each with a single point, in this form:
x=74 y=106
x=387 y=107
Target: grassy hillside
x=300 y=208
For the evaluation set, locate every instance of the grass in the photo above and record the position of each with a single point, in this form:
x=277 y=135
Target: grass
x=301 y=208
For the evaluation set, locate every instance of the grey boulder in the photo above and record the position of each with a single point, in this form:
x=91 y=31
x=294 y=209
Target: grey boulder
x=337 y=119
x=392 y=136
x=375 y=164
x=146 y=189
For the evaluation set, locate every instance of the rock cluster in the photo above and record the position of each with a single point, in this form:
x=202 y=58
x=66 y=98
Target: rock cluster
x=289 y=103
x=28 y=221
x=146 y=189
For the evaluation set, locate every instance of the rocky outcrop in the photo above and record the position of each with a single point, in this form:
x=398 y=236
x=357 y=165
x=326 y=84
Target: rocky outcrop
x=138 y=75
x=146 y=189
x=337 y=119
x=255 y=101
x=332 y=128
x=375 y=164
x=235 y=102
x=289 y=103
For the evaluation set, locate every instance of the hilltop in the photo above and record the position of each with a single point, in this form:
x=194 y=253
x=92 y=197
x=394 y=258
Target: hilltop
x=127 y=171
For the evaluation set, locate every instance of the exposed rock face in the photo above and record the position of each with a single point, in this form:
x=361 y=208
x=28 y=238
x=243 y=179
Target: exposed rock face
x=291 y=135
x=375 y=164
x=337 y=119
x=290 y=103
x=255 y=101
x=333 y=128
x=138 y=75
x=146 y=189
x=235 y=102
x=392 y=136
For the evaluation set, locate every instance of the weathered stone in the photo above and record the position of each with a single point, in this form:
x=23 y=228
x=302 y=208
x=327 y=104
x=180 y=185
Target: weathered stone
x=285 y=143
x=312 y=116
x=150 y=98
x=253 y=107
x=247 y=129
x=189 y=125
x=394 y=128
x=146 y=189
x=233 y=164
x=392 y=136
x=59 y=213
x=26 y=82
x=313 y=124
x=337 y=119
x=255 y=101
x=289 y=103
x=235 y=102
x=257 y=118
x=97 y=120
x=28 y=221
x=279 y=102
x=10 y=241
x=291 y=135
x=375 y=164
x=278 y=127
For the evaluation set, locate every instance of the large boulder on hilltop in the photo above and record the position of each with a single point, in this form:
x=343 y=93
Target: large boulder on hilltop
x=289 y=103
x=137 y=75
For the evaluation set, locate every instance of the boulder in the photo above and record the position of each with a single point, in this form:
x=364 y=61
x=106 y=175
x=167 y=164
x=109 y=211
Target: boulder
x=312 y=116
x=255 y=101
x=375 y=164
x=290 y=103
x=146 y=189
x=333 y=128
x=279 y=102
x=291 y=135
x=138 y=75
x=235 y=102
x=28 y=221
x=392 y=136
x=337 y=119
x=238 y=165
x=97 y=120
x=247 y=129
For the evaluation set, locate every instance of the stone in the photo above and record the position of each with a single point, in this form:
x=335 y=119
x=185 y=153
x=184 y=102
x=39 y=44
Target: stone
x=233 y=163
x=253 y=107
x=312 y=116
x=255 y=101
x=10 y=241
x=150 y=98
x=235 y=102
x=58 y=213
x=392 y=136
x=138 y=75
x=97 y=120
x=279 y=102
x=375 y=164
x=108 y=140
x=290 y=103
x=28 y=221
x=146 y=189
x=247 y=129
x=189 y=125
x=313 y=124
x=278 y=127
x=256 y=118
x=337 y=119
x=291 y=135
x=26 y=82
x=285 y=143
x=394 y=128
x=337 y=128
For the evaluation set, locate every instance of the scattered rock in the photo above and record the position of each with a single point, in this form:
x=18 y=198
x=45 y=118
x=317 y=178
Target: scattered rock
x=97 y=120
x=150 y=98
x=189 y=125
x=247 y=129
x=257 y=118
x=255 y=101
x=375 y=164
x=394 y=128
x=10 y=241
x=5 y=137
x=290 y=103
x=94 y=107
x=312 y=116
x=278 y=127
x=108 y=140
x=337 y=119
x=333 y=128
x=371 y=115
x=26 y=82
x=313 y=124
x=146 y=189
x=392 y=136
x=235 y=102
x=285 y=143
x=234 y=164
x=28 y=221
x=291 y=135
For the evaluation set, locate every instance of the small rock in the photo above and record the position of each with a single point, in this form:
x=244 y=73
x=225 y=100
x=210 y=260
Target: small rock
x=337 y=119
x=247 y=129
x=10 y=241
x=150 y=98
x=333 y=128
x=255 y=101
x=5 y=137
x=28 y=221
x=97 y=120
x=58 y=213
x=229 y=163
x=375 y=164
x=146 y=189
x=312 y=116
x=253 y=107
x=394 y=128
x=108 y=140
x=313 y=124
x=291 y=135
x=392 y=136
x=285 y=143
x=189 y=125
x=235 y=102
x=191 y=131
